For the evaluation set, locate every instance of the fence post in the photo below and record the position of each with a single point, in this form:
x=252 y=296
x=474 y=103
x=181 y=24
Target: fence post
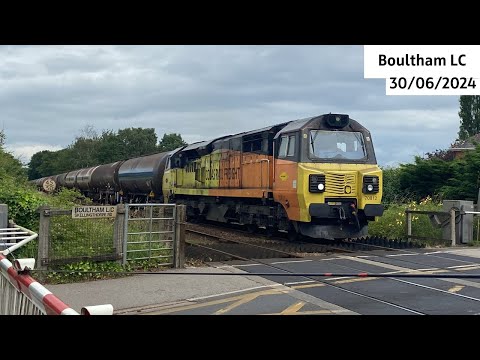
x=119 y=232
x=179 y=244
x=409 y=224
x=3 y=216
x=43 y=237
x=452 y=226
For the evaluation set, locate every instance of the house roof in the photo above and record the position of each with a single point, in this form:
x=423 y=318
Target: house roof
x=467 y=144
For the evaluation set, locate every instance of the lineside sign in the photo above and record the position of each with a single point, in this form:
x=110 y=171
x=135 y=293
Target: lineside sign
x=88 y=212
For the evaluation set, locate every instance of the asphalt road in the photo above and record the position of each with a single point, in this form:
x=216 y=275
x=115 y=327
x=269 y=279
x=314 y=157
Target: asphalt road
x=293 y=295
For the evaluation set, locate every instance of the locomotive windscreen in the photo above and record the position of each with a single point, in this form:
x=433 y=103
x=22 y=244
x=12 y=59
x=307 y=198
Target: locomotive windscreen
x=336 y=145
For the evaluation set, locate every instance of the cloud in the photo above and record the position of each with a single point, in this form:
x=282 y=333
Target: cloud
x=24 y=152
x=49 y=93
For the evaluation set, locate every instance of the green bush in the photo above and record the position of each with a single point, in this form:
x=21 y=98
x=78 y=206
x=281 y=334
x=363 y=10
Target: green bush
x=393 y=225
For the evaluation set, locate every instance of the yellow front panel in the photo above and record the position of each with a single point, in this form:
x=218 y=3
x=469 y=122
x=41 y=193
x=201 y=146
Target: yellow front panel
x=341 y=181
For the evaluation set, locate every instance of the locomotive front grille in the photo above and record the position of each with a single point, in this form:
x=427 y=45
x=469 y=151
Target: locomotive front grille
x=341 y=184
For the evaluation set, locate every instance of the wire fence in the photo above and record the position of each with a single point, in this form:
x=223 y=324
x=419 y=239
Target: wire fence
x=73 y=240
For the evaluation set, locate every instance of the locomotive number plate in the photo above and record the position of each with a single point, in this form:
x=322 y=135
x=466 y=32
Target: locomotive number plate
x=370 y=197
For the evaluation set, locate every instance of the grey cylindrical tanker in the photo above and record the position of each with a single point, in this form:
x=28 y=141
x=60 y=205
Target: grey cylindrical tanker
x=105 y=177
x=84 y=177
x=143 y=174
x=71 y=179
x=60 y=180
x=46 y=183
x=39 y=182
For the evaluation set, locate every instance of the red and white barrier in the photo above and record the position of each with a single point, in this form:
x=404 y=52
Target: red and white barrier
x=41 y=297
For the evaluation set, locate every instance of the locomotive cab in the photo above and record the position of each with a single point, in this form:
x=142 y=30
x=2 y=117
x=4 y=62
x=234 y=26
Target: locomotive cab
x=327 y=178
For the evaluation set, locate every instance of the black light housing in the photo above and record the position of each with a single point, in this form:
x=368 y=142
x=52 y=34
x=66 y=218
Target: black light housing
x=316 y=183
x=371 y=184
x=337 y=120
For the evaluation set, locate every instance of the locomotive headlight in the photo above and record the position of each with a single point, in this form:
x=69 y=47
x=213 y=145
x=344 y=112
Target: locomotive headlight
x=316 y=183
x=370 y=184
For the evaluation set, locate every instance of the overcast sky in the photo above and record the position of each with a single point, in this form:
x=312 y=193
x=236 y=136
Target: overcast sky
x=48 y=94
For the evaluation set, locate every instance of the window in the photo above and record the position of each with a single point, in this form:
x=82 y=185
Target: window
x=337 y=145
x=283 y=146
x=287 y=146
x=291 y=145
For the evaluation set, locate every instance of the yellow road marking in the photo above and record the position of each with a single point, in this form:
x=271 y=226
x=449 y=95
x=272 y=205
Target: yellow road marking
x=292 y=309
x=306 y=286
x=430 y=271
x=312 y=312
x=354 y=280
x=473 y=267
x=456 y=289
x=244 y=300
x=216 y=302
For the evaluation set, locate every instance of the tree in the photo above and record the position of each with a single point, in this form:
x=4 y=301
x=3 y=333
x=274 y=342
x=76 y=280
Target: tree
x=392 y=192
x=9 y=165
x=135 y=142
x=37 y=163
x=465 y=181
x=425 y=177
x=170 y=142
x=441 y=154
x=469 y=116
x=110 y=148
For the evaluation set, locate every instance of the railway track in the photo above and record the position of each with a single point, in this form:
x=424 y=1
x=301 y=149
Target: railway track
x=213 y=247
x=273 y=247
x=241 y=246
x=223 y=242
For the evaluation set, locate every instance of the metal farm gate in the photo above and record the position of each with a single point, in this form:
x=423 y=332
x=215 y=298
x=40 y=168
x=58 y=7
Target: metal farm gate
x=150 y=232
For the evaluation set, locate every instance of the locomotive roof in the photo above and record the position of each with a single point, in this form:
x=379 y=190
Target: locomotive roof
x=268 y=128
x=295 y=125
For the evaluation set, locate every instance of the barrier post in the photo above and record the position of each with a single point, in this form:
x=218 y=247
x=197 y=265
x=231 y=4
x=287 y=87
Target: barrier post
x=3 y=216
x=452 y=226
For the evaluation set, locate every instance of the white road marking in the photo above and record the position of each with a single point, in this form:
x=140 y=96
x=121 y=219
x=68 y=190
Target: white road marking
x=289 y=262
x=440 y=290
x=460 y=266
x=246 y=265
x=402 y=255
x=234 y=292
x=299 y=282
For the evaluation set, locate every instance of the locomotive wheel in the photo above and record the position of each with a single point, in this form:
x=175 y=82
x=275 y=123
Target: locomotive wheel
x=252 y=228
x=293 y=234
x=270 y=232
